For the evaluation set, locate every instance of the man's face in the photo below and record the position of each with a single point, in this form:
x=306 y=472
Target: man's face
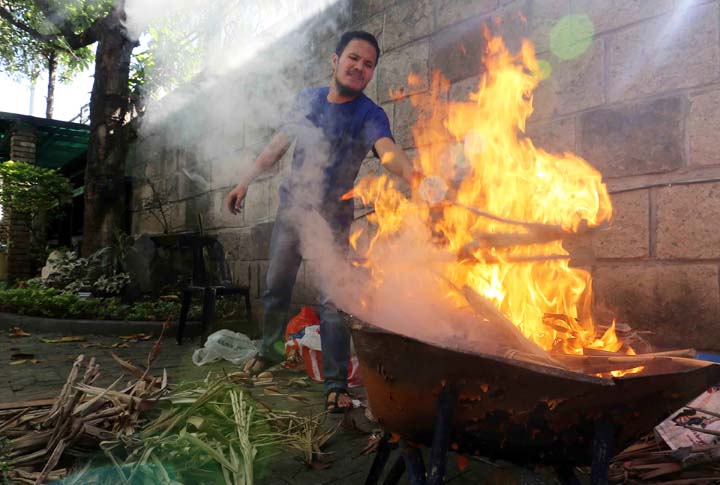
x=354 y=69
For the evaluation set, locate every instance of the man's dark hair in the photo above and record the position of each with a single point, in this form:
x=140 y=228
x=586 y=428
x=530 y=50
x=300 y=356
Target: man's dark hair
x=357 y=34
x=686 y=413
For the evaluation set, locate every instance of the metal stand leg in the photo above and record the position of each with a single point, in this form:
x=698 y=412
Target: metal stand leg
x=208 y=313
x=602 y=450
x=441 y=437
x=248 y=310
x=566 y=475
x=396 y=472
x=413 y=463
x=186 y=298
x=411 y=458
x=381 y=457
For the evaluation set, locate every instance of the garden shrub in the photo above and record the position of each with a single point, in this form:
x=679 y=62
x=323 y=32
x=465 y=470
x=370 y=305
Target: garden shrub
x=53 y=303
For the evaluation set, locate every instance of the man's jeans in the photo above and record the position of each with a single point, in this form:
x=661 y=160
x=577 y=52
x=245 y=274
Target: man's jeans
x=285 y=259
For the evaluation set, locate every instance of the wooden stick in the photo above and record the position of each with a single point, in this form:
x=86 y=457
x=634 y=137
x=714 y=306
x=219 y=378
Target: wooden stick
x=82 y=407
x=689 y=353
x=52 y=461
x=490 y=259
x=32 y=457
x=599 y=367
x=72 y=377
x=13 y=418
x=701 y=458
x=36 y=403
x=487 y=311
x=533 y=359
x=693 y=481
x=701 y=430
x=539 y=227
x=497 y=240
x=661 y=469
x=612 y=358
x=704 y=411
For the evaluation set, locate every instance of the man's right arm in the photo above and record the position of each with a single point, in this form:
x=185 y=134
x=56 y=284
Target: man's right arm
x=270 y=155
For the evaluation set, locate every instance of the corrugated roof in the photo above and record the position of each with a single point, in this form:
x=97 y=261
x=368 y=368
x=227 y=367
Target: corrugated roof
x=58 y=144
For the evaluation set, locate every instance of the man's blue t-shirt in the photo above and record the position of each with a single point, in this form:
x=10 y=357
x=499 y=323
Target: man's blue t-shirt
x=332 y=141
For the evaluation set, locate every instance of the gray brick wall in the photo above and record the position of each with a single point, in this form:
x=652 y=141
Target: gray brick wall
x=640 y=104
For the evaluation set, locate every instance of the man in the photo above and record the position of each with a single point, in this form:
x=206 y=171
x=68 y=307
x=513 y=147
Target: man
x=334 y=128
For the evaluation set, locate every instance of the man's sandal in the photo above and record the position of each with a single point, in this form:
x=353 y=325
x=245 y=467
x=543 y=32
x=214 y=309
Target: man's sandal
x=332 y=401
x=257 y=364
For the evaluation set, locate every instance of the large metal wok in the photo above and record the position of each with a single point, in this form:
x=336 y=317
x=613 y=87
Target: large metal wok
x=514 y=409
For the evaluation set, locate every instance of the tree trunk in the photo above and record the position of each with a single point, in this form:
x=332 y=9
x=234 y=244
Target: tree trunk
x=105 y=170
x=52 y=68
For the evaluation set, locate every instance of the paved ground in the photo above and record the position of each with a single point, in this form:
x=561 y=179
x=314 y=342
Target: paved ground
x=43 y=379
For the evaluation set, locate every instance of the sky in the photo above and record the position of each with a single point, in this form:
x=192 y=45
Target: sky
x=15 y=96
x=69 y=98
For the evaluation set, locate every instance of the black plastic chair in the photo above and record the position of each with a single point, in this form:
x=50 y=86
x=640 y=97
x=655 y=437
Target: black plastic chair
x=211 y=279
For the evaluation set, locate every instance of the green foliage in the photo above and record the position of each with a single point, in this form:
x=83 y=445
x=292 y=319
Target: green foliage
x=119 y=251
x=68 y=269
x=38 y=301
x=21 y=55
x=173 y=54
x=52 y=303
x=24 y=55
x=111 y=285
x=156 y=310
x=172 y=57
x=207 y=431
x=102 y=272
x=37 y=192
x=28 y=188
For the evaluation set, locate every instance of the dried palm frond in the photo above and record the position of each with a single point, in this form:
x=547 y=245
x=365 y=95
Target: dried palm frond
x=38 y=437
x=651 y=459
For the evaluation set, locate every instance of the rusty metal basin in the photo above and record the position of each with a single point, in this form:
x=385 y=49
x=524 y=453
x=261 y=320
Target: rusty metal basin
x=512 y=409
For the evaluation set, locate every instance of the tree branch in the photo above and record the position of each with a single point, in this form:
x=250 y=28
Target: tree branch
x=26 y=28
x=75 y=41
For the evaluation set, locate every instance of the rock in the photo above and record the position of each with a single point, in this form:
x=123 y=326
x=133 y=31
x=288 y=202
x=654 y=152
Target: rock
x=50 y=267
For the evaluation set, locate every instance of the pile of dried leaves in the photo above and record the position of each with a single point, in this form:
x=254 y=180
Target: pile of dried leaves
x=652 y=461
x=38 y=440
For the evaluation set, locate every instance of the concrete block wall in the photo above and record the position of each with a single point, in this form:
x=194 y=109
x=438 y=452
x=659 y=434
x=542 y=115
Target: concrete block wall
x=639 y=102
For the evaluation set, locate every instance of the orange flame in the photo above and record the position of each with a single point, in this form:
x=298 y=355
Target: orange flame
x=478 y=161
x=354 y=238
x=414 y=80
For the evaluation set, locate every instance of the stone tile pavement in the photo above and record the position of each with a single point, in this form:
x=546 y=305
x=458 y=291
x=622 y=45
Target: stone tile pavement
x=44 y=379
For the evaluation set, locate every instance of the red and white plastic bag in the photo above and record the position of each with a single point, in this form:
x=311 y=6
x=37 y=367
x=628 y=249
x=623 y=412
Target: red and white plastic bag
x=302 y=340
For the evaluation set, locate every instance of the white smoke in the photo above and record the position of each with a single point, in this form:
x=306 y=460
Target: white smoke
x=409 y=297
x=254 y=57
x=257 y=53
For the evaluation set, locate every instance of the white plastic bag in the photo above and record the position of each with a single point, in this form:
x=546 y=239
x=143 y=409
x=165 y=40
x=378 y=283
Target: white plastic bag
x=226 y=344
x=311 y=338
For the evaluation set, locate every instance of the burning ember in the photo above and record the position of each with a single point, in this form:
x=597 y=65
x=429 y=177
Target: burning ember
x=490 y=217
